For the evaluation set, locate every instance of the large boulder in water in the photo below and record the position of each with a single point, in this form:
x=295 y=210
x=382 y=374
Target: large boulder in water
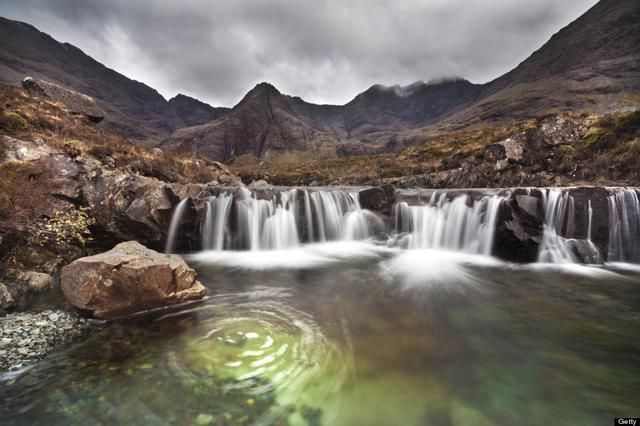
x=127 y=279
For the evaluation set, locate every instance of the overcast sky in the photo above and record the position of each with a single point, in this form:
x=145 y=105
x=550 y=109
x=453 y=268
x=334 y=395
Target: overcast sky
x=325 y=51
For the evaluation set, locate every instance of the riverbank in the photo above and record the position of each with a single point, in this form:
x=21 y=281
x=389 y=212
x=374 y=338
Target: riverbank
x=26 y=337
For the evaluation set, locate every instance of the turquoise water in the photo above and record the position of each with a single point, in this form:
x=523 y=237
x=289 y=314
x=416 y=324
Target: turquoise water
x=371 y=337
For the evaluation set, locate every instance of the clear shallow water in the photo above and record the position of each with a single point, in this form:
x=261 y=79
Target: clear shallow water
x=363 y=336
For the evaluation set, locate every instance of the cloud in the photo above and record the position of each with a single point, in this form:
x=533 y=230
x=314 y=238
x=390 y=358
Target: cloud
x=325 y=51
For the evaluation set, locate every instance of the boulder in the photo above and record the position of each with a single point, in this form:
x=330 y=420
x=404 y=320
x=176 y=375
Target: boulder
x=128 y=279
x=76 y=103
x=558 y=130
x=507 y=151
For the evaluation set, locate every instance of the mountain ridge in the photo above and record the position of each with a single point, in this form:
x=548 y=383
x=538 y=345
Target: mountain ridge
x=134 y=109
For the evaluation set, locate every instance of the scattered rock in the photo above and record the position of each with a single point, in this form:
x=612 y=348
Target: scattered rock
x=29 y=336
x=76 y=102
x=128 y=279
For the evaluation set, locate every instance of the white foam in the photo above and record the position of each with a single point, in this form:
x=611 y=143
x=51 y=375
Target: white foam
x=305 y=257
x=429 y=268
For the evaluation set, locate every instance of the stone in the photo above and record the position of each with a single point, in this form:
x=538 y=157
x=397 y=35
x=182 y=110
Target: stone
x=131 y=207
x=558 y=130
x=508 y=151
x=20 y=150
x=141 y=279
x=378 y=199
x=29 y=336
x=32 y=281
x=259 y=184
x=76 y=103
x=6 y=298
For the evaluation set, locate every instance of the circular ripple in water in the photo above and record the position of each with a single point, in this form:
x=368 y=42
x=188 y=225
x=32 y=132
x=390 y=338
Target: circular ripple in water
x=263 y=345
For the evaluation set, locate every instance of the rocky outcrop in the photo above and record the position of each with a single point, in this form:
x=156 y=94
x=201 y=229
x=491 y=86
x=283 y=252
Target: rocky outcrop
x=128 y=279
x=17 y=286
x=18 y=150
x=77 y=103
x=130 y=206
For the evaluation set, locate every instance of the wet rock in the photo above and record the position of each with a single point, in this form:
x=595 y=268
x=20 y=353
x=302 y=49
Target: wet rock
x=76 y=102
x=29 y=336
x=128 y=279
x=519 y=227
x=378 y=199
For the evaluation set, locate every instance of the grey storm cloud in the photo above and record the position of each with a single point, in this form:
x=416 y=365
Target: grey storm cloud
x=325 y=51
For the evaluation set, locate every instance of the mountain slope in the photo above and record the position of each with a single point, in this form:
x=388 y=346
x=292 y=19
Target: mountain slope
x=591 y=65
x=134 y=109
x=193 y=112
x=268 y=121
x=262 y=123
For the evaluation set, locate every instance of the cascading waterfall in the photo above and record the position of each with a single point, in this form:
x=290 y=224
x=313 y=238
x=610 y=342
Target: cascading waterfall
x=458 y=224
x=174 y=226
x=214 y=229
x=242 y=219
x=559 y=216
x=624 y=226
x=285 y=220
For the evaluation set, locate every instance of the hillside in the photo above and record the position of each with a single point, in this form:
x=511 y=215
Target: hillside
x=134 y=109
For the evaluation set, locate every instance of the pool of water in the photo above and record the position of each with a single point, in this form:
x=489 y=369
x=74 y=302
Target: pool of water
x=357 y=335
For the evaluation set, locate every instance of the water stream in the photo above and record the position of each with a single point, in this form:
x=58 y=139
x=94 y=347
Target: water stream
x=320 y=312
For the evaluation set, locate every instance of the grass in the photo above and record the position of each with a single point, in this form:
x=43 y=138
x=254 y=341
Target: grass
x=606 y=154
x=23 y=117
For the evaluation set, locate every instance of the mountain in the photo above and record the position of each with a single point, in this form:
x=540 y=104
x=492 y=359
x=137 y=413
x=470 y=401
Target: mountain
x=262 y=123
x=193 y=112
x=267 y=122
x=134 y=109
x=591 y=66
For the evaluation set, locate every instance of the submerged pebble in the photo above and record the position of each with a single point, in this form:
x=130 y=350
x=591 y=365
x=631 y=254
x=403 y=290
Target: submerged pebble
x=28 y=336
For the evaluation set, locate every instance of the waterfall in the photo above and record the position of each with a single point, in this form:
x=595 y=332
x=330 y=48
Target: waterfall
x=214 y=228
x=174 y=225
x=458 y=224
x=559 y=218
x=624 y=226
x=281 y=221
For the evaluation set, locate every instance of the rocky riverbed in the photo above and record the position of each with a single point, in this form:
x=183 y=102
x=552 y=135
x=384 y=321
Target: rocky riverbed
x=26 y=337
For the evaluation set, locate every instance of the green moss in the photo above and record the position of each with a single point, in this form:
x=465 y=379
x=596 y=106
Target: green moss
x=12 y=122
